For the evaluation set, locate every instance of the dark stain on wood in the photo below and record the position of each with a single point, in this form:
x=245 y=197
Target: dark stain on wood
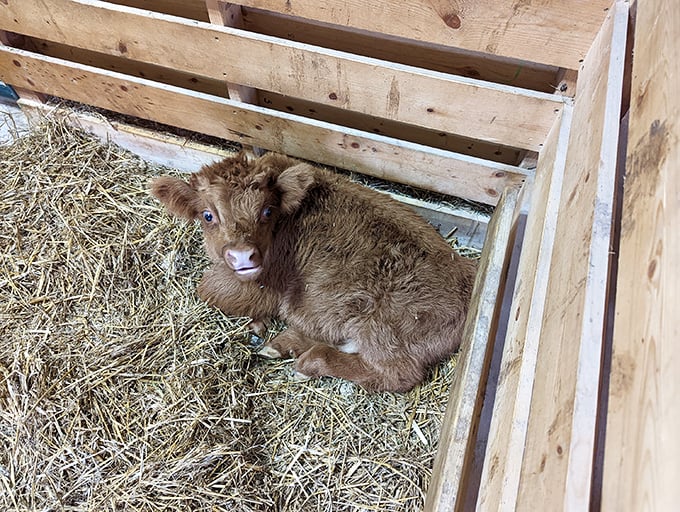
x=642 y=170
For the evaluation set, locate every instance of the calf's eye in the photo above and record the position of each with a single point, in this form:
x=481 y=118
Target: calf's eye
x=207 y=216
x=266 y=212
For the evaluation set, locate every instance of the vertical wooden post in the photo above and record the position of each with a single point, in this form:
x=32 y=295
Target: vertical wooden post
x=457 y=441
x=557 y=466
x=230 y=15
x=642 y=447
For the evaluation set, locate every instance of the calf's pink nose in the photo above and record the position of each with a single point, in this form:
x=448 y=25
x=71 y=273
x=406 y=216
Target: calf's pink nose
x=243 y=258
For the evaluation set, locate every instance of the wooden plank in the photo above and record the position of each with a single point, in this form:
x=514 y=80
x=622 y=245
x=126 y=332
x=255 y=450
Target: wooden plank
x=507 y=432
x=192 y=9
x=502 y=114
x=127 y=66
x=433 y=138
x=550 y=32
x=229 y=15
x=558 y=459
x=642 y=449
x=395 y=160
x=446 y=490
x=490 y=68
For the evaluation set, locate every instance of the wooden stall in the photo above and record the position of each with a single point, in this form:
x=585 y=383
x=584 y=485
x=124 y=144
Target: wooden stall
x=510 y=103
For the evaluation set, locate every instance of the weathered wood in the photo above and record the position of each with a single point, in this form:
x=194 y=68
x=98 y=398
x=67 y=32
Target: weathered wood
x=550 y=32
x=392 y=159
x=507 y=432
x=229 y=15
x=389 y=128
x=642 y=450
x=446 y=491
x=480 y=110
x=491 y=68
x=557 y=466
x=192 y=9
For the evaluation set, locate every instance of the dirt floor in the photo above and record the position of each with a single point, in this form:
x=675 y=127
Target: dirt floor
x=120 y=390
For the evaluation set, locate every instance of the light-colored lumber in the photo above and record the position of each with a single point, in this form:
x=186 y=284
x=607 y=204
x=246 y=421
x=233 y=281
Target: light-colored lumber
x=462 y=106
x=434 y=138
x=491 y=68
x=392 y=159
x=642 y=449
x=507 y=431
x=550 y=32
x=557 y=466
x=193 y=9
x=229 y=15
x=458 y=433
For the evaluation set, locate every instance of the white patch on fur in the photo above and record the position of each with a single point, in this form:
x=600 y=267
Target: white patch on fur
x=350 y=346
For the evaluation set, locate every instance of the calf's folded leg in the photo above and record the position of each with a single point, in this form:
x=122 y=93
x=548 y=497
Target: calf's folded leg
x=390 y=375
x=288 y=343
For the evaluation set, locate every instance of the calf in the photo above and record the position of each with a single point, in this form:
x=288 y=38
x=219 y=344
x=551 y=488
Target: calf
x=369 y=291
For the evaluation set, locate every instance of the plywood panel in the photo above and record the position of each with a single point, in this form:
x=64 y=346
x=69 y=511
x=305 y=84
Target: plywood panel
x=550 y=32
x=557 y=466
x=471 y=108
x=642 y=450
x=459 y=426
x=392 y=159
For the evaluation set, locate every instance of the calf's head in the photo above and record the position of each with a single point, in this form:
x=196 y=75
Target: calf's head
x=239 y=204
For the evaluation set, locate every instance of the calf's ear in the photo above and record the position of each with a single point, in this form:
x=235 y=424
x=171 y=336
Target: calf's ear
x=293 y=184
x=177 y=196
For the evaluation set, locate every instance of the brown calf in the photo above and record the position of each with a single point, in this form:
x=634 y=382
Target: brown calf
x=370 y=292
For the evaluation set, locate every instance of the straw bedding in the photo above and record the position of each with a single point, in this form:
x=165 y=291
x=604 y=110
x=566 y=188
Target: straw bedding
x=120 y=390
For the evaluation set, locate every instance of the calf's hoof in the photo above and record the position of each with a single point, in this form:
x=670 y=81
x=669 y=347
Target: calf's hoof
x=269 y=352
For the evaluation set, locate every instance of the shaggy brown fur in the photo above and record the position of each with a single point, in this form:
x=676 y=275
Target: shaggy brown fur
x=370 y=292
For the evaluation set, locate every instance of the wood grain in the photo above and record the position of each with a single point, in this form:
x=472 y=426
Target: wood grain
x=458 y=433
x=550 y=32
x=508 y=429
x=557 y=466
x=642 y=450
x=462 y=106
x=392 y=159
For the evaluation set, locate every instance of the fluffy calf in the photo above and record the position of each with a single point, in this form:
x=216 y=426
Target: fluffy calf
x=370 y=292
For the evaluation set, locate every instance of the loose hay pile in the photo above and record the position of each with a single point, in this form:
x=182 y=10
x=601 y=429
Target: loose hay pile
x=120 y=390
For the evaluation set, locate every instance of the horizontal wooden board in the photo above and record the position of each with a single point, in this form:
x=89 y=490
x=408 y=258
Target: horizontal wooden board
x=491 y=68
x=550 y=32
x=470 y=108
x=193 y=9
x=436 y=139
x=381 y=126
x=387 y=158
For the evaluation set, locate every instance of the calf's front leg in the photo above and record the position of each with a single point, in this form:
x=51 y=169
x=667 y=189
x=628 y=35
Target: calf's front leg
x=220 y=288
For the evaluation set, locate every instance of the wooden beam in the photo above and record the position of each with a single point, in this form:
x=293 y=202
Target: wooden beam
x=550 y=32
x=192 y=9
x=229 y=15
x=502 y=114
x=558 y=456
x=642 y=449
x=392 y=159
x=490 y=68
x=456 y=443
x=507 y=433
